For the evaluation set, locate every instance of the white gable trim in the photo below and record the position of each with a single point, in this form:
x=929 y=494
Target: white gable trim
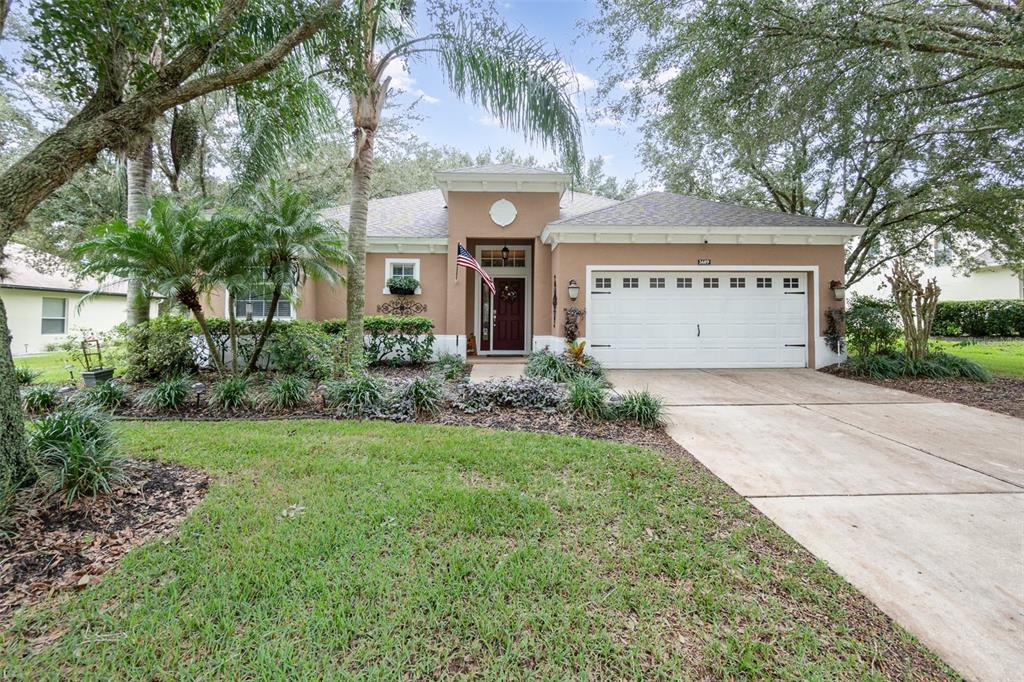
x=555 y=234
x=466 y=181
x=406 y=245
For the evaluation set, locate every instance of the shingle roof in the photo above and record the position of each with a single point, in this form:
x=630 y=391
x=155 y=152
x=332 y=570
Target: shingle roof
x=509 y=168
x=424 y=215
x=23 y=273
x=666 y=209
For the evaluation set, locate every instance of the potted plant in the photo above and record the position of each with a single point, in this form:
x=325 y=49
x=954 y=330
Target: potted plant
x=403 y=286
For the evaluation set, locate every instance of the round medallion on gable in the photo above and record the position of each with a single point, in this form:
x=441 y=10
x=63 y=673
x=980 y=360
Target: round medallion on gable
x=503 y=212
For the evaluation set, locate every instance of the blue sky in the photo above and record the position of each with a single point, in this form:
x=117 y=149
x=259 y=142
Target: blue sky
x=449 y=121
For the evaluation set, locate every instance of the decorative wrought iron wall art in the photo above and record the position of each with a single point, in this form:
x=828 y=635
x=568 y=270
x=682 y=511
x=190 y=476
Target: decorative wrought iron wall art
x=402 y=306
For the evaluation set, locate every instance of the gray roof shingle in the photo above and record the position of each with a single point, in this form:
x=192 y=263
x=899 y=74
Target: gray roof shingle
x=665 y=209
x=22 y=272
x=509 y=168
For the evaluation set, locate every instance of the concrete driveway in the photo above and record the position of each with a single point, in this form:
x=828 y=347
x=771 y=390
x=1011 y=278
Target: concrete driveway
x=918 y=503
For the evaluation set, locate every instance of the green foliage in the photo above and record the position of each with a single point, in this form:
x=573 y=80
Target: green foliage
x=979 y=318
x=362 y=395
x=106 y=396
x=562 y=367
x=303 y=347
x=450 y=366
x=161 y=347
x=26 y=376
x=425 y=394
x=404 y=283
x=74 y=452
x=231 y=393
x=40 y=399
x=529 y=392
x=642 y=407
x=939 y=365
x=167 y=394
x=335 y=328
x=872 y=325
x=586 y=397
x=287 y=392
x=394 y=339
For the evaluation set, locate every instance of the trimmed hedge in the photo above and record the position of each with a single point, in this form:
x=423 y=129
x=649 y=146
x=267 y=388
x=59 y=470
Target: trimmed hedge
x=395 y=340
x=979 y=318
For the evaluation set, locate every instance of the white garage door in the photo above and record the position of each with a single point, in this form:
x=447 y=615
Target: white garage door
x=697 y=319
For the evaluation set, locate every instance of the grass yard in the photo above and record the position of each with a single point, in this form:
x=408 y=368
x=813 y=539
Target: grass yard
x=375 y=550
x=52 y=365
x=1002 y=358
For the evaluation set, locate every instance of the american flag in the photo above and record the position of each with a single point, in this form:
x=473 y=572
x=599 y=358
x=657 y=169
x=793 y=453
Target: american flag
x=464 y=260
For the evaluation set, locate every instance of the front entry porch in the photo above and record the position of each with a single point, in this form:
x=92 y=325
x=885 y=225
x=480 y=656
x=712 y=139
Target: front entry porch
x=502 y=321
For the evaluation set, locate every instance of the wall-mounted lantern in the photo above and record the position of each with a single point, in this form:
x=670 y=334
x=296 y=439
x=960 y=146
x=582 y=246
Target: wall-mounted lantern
x=504 y=255
x=838 y=289
x=574 y=290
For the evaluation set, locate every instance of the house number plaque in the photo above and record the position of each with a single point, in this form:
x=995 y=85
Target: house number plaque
x=703 y=261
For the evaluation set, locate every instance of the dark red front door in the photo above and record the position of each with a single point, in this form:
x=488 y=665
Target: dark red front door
x=509 y=313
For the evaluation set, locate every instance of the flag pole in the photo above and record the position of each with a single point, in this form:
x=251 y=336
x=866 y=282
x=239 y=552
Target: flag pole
x=457 y=263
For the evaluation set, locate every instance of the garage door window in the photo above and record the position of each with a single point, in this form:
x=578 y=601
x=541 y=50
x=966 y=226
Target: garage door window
x=630 y=282
x=764 y=282
x=710 y=282
x=603 y=283
x=684 y=282
x=790 y=282
x=737 y=282
x=657 y=282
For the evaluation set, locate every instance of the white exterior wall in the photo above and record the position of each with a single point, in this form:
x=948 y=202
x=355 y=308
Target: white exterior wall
x=980 y=285
x=25 y=312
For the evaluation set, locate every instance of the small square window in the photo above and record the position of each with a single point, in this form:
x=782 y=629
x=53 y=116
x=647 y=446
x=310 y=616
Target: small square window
x=790 y=282
x=764 y=282
x=710 y=282
x=630 y=282
x=603 y=283
x=684 y=282
x=657 y=282
x=403 y=269
x=737 y=282
x=55 y=316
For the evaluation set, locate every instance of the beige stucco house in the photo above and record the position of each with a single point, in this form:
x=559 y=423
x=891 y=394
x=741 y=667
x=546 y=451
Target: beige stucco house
x=663 y=280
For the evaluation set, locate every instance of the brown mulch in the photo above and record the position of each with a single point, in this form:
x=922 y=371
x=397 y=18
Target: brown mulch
x=1003 y=394
x=57 y=547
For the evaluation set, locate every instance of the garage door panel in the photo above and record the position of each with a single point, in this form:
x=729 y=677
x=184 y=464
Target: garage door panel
x=748 y=320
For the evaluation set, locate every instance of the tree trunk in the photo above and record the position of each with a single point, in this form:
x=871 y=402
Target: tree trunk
x=218 y=362
x=13 y=458
x=917 y=305
x=140 y=173
x=366 y=113
x=232 y=330
x=265 y=332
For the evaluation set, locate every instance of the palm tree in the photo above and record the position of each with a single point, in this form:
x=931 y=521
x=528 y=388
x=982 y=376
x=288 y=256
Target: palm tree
x=173 y=252
x=289 y=243
x=522 y=83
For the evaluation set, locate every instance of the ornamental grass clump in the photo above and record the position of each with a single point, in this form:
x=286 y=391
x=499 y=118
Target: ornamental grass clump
x=425 y=394
x=74 y=453
x=26 y=376
x=586 y=397
x=41 y=399
x=450 y=366
x=169 y=394
x=287 y=392
x=361 y=395
x=231 y=393
x=106 y=396
x=642 y=407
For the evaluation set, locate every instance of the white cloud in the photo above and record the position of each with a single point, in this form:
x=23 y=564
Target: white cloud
x=606 y=121
x=583 y=82
x=666 y=75
x=607 y=157
x=489 y=121
x=402 y=81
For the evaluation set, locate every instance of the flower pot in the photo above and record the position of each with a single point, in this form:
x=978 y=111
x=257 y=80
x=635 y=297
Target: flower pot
x=401 y=291
x=96 y=377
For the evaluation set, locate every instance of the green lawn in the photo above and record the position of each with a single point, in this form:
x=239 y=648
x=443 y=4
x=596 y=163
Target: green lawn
x=52 y=365
x=420 y=552
x=1003 y=358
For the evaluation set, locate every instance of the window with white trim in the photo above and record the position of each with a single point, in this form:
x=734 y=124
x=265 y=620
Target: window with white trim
x=55 y=315
x=255 y=304
x=684 y=282
x=657 y=282
x=790 y=282
x=710 y=282
x=602 y=282
x=764 y=282
x=630 y=282
x=401 y=267
x=737 y=282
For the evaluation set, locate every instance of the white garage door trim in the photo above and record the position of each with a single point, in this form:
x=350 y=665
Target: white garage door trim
x=809 y=269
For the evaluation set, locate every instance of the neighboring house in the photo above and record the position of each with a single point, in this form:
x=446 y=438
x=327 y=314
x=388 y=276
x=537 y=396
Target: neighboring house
x=664 y=280
x=990 y=279
x=43 y=306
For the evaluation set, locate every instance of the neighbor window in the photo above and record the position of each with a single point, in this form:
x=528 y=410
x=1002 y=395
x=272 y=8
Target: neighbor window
x=764 y=282
x=491 y=258
x=603 y=283
x=630 y=282
x=684 y=282
x=737 y=282
x=657 y=282
x=790 y=282
x=55 y=315
x=255 y=303
x=710 y=282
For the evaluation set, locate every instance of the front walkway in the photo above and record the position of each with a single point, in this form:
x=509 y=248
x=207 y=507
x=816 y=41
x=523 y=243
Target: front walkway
x=498 y=367
x=918 y=503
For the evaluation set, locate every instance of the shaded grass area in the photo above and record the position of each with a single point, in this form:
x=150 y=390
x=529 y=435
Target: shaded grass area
x=1002 y=358
x=341 y=549
x=55 y=367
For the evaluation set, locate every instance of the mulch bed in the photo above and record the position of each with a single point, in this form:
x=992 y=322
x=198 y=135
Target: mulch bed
x=56 y=547
x=1003 y=394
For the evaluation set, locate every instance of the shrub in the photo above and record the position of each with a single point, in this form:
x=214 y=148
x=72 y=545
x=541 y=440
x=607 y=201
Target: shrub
x=230 y=393
x=107 y=396
x=933 y=365
x=403 y=284
x=169 y=394
x=450 y=366
x=395 y=340
x=425 y=394
x=74 y=452
x=335 y=327
x=26 y=376
x=160 y=348
x=536 y=392
x=360 y=395
x=41 y=399
x=562 y=368
x=586 y=397
x=302 y=347
x=871 y=325
x=980 y=318
x=642 y=407
x=287 y=392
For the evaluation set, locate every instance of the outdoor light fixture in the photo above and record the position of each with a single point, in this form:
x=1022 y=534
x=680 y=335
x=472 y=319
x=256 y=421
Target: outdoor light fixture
x=574 y=290
x=838 y=289
x=504 y=254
